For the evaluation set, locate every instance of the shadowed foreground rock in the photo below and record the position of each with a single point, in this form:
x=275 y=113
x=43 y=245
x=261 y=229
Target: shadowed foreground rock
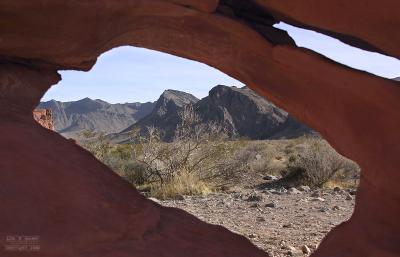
x=52 y=188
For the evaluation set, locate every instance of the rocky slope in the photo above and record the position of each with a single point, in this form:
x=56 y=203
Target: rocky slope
x=71 y=118
x=246 y=114
x=240 y=111
x=164 y=116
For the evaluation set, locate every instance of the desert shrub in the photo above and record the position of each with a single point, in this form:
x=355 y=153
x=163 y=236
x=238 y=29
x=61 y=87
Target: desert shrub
x=134 y=173
x=96 y=144
x=197 y=154
x=182 y=184
x=200 y=160
x=316 y=164
x=254 y=157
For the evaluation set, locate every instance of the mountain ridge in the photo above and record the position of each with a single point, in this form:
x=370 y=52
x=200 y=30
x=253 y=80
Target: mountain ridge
x=73 y=117
x=240 y=111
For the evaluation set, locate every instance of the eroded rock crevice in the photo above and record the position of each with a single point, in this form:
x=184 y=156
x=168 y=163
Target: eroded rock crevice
x=257 y=18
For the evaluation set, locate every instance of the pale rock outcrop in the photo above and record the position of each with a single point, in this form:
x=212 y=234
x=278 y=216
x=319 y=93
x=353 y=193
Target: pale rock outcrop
x=44 y=117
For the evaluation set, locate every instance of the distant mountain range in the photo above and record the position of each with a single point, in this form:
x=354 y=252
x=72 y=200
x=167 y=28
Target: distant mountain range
x=240 y=110
x=72 y=118
x=397 y=79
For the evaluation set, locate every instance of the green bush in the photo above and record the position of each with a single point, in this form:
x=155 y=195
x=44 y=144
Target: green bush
x=316 y=165
x=134 y=173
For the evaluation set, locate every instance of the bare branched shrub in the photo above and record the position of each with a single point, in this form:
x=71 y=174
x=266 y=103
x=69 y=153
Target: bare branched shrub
x=316 y=164
x=198 y=153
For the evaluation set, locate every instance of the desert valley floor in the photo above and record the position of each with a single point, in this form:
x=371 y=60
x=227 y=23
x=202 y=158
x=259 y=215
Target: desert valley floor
x=281 y=222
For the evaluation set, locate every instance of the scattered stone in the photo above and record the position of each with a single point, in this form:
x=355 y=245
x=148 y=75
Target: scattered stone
x=275 y=192
x=305 y=249
x=179 y=197
x=283 y=190
x=316 y=194
x=253 y=236
x=270 y=177
x=258 y=157
x=336 y=208
x=271 y=205
x=352 y=192
x=318 y=199
x=303 y=200
x=294 y=191
x=237 y=195
x=220 y=203
x=294 y=251
x=298 y=219
x=305 y=188
x=267 y=192
x=289 y=225
x=337 y=190
x=154 y=200
x=260 y=219
x=349 y=197
x=254 y=198
x=323 y=209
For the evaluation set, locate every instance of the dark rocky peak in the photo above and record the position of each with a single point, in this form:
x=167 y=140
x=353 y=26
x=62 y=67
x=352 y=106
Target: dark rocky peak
x=178 y=97
x=242 y=100
x=172 y=100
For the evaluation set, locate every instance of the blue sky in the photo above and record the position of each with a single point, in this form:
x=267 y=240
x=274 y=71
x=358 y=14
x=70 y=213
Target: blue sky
x=129 y=74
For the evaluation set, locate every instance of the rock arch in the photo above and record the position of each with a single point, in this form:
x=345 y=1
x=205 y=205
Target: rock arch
x=53 y=188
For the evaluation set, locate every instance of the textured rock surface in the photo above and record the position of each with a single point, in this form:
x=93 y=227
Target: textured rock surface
x=44 y=117
x=79 y=208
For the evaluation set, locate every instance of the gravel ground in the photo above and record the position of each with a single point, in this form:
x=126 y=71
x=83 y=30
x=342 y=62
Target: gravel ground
x=281 y=222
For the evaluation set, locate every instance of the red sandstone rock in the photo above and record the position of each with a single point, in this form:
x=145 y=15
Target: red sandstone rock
x=80 y=208
x=44 y=117
x=54 y=189
x=375 y=23
x=203 y=5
